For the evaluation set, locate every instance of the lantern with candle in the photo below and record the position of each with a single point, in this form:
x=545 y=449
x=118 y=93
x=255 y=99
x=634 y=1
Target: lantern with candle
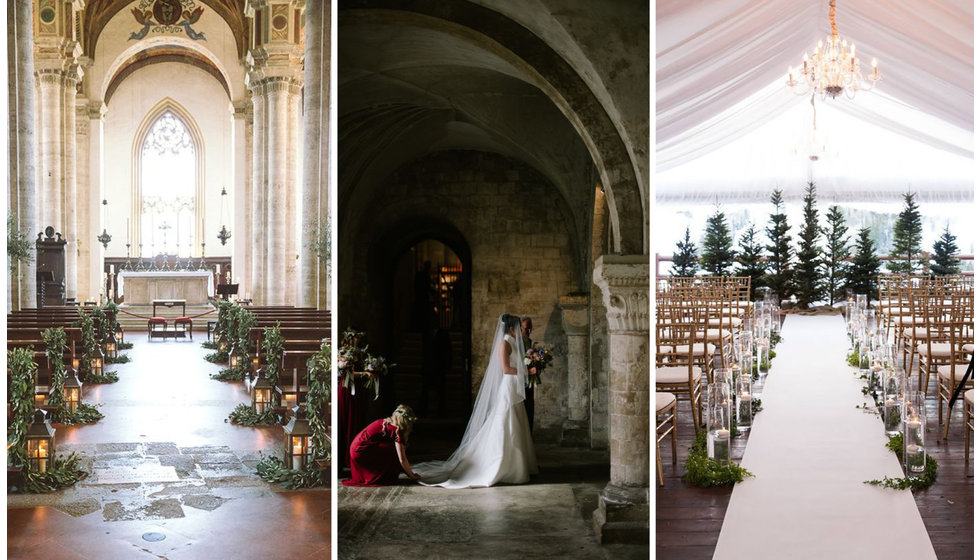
x=72 y=391
x=298 y=452
x=262 y=394
x=40 y=442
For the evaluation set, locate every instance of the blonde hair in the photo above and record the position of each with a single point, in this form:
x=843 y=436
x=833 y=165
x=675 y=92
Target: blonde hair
x=403 y=418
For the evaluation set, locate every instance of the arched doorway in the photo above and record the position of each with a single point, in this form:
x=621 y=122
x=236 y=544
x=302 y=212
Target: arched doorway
x=430 y=330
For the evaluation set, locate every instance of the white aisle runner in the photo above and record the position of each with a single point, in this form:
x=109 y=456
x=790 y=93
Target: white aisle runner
x=810 y=451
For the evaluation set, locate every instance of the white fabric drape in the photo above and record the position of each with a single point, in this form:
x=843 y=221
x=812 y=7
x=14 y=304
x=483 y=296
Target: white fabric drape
x=721 y=68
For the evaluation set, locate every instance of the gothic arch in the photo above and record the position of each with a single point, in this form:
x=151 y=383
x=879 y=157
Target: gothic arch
x=136 y=200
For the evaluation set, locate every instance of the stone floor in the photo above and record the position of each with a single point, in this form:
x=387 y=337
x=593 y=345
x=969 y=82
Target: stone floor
x=550 y=517
x=164 y=463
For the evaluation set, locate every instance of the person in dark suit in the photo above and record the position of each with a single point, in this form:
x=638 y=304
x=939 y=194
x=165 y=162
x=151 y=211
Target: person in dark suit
x=526 y=327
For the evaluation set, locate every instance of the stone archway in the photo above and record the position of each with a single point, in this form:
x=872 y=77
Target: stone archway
x=383 y=260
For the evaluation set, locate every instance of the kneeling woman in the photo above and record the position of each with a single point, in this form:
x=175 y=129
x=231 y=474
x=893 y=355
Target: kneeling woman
x=377 y=454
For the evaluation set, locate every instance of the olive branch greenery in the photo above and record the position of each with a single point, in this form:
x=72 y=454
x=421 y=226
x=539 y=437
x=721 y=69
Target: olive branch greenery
x=915 y=482
x=272 y=470
x=55 y=341
x=317 y=399
x=18 y=244
x=61 y=472
x=20 y=400
x=244 y=415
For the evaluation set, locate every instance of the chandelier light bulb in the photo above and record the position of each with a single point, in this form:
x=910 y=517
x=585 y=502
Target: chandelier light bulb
x=833 y=68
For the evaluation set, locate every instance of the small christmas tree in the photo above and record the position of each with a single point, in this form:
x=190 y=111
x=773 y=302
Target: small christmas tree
x=944 y=252
x=685 y=257
x=717 y=254
x=862 y=274
x=808 y=280
x=837 y=253
x=749 y=258
x=906 y=251
x=780 y=251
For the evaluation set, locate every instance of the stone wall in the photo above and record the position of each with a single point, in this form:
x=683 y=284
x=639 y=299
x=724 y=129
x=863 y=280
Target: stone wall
x=514 y=223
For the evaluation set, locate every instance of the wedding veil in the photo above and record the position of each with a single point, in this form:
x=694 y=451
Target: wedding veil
x=487 y=399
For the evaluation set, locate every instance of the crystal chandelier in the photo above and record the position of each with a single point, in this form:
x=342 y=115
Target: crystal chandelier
x=833 y=67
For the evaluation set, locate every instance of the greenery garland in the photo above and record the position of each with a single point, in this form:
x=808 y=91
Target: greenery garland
x=272 y=345
x=55 y=342
x=20 y=400
x=703 y=471
x=274 y=471
x=244 y=415
x=88 y=344
x=227 y=312
x=61 y=473
x=317 y=399
x=916 y=482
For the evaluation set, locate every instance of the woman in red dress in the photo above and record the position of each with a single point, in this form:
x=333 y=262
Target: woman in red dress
x=377 y=454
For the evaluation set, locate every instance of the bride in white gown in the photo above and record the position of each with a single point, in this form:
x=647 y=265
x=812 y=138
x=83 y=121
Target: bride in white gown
x=496 y=446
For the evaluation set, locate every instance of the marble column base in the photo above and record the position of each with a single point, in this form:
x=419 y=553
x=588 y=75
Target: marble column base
x=623 y=515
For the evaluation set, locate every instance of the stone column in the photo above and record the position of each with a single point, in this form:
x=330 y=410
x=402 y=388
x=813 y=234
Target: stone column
x=241 y=191
x=258 y=224
x=49 y=124
x=275 y=74
x=81 y=208
x=22 y=186
x=71 y=197
x=90 y=208
x=57 y=60
x=278 y=191
x=292 y=227
x=623 y=514
x=316 y=79
x=575 y=322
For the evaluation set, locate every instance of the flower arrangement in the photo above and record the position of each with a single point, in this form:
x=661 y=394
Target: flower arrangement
x=537 y=356
x=353 y=360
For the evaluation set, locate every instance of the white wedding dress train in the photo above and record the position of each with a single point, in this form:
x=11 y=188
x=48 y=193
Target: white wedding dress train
x=500 y=449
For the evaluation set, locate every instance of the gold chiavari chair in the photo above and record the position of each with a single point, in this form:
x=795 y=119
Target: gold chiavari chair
x=666 y=425
x=677 y=369
x=958 y=313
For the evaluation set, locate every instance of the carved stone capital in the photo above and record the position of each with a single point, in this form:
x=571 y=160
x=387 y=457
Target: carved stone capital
x=95 y=109
x=575 y=314
x=241 y=108
x=625 y=284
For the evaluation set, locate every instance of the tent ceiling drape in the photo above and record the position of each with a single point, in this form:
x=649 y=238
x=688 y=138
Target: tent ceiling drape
x=721 y=67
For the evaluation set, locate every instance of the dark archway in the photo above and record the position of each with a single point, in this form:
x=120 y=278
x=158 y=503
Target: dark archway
x=391 y=265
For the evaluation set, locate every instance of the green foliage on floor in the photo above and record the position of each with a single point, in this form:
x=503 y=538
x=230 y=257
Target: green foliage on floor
x=703 y=471
x=84 y=414
x=106 y=377
x=119 y=359
x=274 y=471
x=62 y=473
x=210 y=345
x=125 y=346
x=243 y=415
x=915 y=482
x=229 y=374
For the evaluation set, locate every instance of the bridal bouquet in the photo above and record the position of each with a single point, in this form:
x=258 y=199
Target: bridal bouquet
x=537 y=356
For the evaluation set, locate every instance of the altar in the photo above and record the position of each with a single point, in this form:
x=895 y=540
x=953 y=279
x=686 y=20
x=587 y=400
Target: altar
x=141 y=288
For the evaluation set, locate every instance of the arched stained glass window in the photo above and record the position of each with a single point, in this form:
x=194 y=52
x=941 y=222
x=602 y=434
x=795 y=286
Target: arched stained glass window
x=168 y=187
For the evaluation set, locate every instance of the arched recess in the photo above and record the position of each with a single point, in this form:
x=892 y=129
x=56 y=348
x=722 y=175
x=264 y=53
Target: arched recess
x=160 y=55
x=538 y=63
x=138 y=52
x=382 y=258
x=136 y=200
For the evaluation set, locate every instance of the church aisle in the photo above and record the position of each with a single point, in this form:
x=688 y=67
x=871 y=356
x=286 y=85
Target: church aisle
x=164 y=461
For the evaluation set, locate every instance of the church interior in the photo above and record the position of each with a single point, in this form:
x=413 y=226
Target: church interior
x=167 y=291
x=493 y=158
